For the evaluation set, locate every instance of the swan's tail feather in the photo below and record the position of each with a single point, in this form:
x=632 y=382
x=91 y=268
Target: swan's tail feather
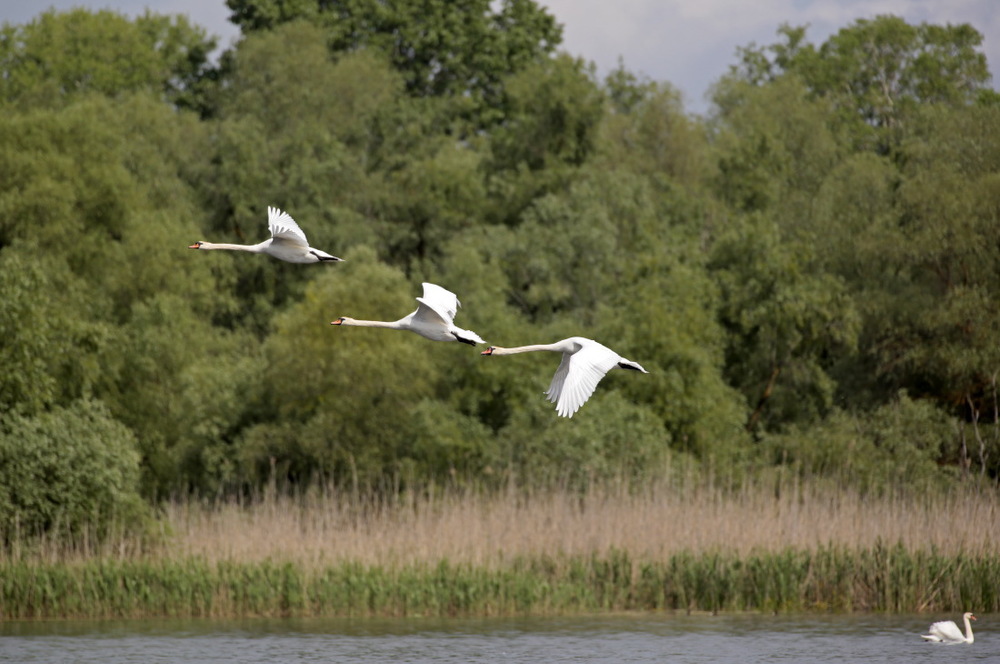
x=467 y=337
x=629 y=364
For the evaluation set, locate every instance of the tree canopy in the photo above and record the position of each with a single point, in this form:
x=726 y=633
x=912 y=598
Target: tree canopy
x=808 y=273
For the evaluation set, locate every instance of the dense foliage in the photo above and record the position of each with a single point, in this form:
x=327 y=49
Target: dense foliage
x=809 y=273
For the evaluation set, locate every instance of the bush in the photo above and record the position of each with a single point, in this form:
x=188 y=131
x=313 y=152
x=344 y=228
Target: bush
x=895 y=445
x=68 y=471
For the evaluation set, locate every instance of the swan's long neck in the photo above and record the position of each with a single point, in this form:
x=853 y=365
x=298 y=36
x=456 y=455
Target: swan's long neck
x=500 y=350
x=968 y=630
x=254 y=248
x=389 y=325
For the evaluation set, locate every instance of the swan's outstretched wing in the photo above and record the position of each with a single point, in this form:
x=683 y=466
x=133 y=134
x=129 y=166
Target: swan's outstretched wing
x=437 y=305
x=946 y=630
x=579 y=373
x=284 y=229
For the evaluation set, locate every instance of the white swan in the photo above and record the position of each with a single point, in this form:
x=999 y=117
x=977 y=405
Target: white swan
x=287 y=243
x=584 y=364
x=434 y=318
x=947 y=631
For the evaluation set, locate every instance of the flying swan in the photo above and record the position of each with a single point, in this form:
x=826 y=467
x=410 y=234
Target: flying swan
x=434 y=318
x=947 y=631
x=584 y=363
x=287 y=243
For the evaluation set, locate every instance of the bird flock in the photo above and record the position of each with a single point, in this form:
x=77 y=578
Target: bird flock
x=584 y=361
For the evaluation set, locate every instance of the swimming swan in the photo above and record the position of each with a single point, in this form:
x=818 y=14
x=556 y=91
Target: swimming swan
x=947 y=631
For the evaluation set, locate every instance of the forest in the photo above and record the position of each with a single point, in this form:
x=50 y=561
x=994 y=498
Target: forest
x=809 y=271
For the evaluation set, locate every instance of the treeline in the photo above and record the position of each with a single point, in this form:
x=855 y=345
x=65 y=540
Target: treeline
x=809 y=272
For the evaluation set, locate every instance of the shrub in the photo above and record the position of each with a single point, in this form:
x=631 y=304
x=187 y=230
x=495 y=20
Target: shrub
x=68 y=471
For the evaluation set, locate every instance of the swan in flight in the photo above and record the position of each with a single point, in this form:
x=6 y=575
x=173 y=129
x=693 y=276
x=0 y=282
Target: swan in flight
x=434 y=318
x=584 y=363
x=287 y=243
x=947 y=631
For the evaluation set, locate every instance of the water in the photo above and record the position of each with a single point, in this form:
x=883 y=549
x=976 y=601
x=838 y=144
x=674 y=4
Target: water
x=620 y=639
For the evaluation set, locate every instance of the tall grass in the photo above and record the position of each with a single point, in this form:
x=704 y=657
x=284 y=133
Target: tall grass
x=882 y=578
x=489 y=529
x=668 y=547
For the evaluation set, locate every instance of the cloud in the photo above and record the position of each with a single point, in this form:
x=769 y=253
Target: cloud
x=691 y=43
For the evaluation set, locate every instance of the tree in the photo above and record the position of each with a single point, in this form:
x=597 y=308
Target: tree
x=550 y=130
x=646 y=129
x=774 y=147
x=60 y=55
x=896 y=446
x=295 y=130
x=785 y=320
x=53 y=350
x=947 y=238
x=460 y=50
x=340 y=404
x=876 y=71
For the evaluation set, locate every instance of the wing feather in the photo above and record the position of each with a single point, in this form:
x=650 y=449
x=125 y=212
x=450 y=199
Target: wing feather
x=947 y=630
x=559 y=379
x=284 y=228
x=581 y=372
x=438 y=302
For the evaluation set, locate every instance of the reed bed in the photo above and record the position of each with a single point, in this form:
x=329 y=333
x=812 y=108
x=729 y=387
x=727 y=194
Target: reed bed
x=450 y=553
x=883 y=578
x=489 y=530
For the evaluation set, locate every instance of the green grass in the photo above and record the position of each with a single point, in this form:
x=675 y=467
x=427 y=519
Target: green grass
x=880 y=578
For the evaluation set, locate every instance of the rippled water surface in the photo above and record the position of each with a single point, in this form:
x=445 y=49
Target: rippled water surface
x=616 y=638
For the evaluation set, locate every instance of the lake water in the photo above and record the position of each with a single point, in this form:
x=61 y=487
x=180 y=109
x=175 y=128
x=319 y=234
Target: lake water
x=617 y=638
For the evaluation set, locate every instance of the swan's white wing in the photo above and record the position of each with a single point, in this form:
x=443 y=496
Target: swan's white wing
x=946 y=630
x=578 y=375
x=437 y=303
x=284 y=229
x=559 y=379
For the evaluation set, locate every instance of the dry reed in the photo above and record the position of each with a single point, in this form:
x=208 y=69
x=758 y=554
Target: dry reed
x=489 y=530
x=451 y=553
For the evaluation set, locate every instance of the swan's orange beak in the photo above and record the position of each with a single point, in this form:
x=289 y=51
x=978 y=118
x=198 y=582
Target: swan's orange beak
x=488 y=351
x=972 y=617
x=196 y=245
x=337 y=322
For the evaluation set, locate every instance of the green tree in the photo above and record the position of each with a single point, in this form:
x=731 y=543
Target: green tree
x=646 y=130
x=72 y=470
x=285 y=137
x=460 y=50
x=895 y=447
x=60 y=55
x=340 y=404
x=52 y=352
x=774 y=147
x=876 y=71
x=554 y=111
x=786 y=320
x=615 y=440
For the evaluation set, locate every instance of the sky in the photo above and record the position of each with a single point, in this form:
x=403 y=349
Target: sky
x=687 y=43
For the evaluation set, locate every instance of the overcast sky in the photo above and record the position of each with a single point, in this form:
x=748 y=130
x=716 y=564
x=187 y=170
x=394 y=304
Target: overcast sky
x=688 y=43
